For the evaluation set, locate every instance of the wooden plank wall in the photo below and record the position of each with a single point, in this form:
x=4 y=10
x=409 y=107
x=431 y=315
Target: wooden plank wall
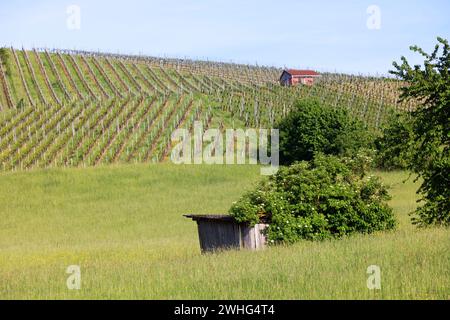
x=217 y=235
x=221 y=235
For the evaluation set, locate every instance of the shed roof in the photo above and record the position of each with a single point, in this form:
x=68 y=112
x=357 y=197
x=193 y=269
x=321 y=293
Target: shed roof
x=219 y=217
x=216 y=217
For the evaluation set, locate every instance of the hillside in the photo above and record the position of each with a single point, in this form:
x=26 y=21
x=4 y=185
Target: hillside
x=71 y=108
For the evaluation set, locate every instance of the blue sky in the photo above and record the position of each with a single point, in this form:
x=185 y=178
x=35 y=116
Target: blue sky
x=324 y=35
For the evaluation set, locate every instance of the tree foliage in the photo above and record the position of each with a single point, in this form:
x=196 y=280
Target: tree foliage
x=430 y=84
x=312 y=128
x=396 y=145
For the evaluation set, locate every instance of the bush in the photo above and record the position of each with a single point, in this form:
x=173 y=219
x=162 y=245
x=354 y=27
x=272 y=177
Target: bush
x=323 y=198
x=396 y=146
x=312 y=128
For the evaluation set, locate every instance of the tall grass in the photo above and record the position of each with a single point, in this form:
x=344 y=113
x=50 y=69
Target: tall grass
x=124 y=227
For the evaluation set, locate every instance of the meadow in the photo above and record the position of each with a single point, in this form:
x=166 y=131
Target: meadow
x=123 y=225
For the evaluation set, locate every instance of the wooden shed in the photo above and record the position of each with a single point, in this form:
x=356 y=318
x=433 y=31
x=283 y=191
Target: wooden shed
x=221 y=232
x=292 y=77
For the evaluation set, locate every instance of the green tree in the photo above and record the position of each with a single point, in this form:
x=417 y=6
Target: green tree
x=430 y=84
x=311 y=128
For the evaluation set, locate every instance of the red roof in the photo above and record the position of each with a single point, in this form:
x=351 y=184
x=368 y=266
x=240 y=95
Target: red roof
x=294 y=72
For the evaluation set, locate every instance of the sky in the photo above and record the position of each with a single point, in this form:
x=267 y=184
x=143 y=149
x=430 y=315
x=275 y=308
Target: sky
x=351 y=36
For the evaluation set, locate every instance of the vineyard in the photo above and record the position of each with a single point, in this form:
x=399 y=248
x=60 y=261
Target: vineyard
x=73 y=108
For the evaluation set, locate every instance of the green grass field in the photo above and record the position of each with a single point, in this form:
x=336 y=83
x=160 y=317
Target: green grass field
x=124 y=227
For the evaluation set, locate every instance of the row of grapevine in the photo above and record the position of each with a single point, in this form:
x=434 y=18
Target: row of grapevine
x=173 y=83
x=22 y=77
x=93 y=76
x=110 y=130
x=48 y=136
x=33 y=77
x=122 y=76
x=16 y=134
x=83 y=135
x=5 y=87
x=57 y=75
x=68 y=75
x=135 y=124
x=159 y=129
x=11 y=120
x=185 y=83
x=189 y=116
x=201 y=83
x=28 y=139
x=108 y=79
x=145 y=79
x=63 y=132
x=141 y=139
x=164 y=87
x=46 y=78
x=81 y=77
x=162 y=144
x=127 y=72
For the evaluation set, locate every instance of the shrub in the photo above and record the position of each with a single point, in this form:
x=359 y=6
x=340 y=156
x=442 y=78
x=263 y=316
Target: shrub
x=312 y=128
x=323 y=198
